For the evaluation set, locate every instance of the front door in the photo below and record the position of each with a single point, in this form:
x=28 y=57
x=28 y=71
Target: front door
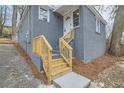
x=68 y=22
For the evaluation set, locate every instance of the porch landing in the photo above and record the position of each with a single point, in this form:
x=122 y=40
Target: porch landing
x=71 y=80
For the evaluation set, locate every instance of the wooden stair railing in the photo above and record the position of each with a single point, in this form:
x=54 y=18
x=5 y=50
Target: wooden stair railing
x=69 y=36
x=66 y=51
x=54 y=67
x=65 y=48
x=42 y=48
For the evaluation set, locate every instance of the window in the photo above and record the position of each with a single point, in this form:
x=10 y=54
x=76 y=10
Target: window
x=97 y=25
x=43 y=14
x=76 y=18
x=122 y=38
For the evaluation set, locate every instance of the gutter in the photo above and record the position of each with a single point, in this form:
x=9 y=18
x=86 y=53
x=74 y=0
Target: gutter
x=97 y=14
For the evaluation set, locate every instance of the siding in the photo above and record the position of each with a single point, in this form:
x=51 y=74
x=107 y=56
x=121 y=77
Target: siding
x=52 y=31
x=94 y=43
x=87 y=44
x=78 y=49
x=22 y=32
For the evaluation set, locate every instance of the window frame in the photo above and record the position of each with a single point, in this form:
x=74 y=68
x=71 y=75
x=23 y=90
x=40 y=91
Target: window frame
x=79 y=18
x=98 y=27
x=48 y=14
x=122 y=38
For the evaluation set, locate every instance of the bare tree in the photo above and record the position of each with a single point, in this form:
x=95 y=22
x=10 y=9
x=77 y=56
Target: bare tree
x=118 y=27
x=108 y=12
x=3 y=15
x=14 y=21
x=21 y=10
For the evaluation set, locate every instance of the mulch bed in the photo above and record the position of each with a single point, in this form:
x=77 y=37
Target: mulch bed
x=92 y=69
x=36 y=73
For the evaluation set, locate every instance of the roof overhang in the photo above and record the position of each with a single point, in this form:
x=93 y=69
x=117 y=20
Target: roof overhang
x=66 y=8
x=46 y=7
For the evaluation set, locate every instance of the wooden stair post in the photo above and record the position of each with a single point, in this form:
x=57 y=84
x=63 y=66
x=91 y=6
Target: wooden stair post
x=50 y=67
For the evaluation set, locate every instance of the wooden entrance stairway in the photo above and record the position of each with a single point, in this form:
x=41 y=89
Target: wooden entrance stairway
x=54 y=66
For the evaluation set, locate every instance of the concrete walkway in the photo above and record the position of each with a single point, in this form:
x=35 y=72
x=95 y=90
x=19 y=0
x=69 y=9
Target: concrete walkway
x=14 y=71
x=72 y=80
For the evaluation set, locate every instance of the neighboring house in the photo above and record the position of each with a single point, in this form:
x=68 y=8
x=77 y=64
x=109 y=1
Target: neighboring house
x=54 y=22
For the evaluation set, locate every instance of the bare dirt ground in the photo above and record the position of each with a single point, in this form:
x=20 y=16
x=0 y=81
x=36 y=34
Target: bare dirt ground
x=35 y=72
x=106 y=71
x=14 y=71
x=112 y=77
x=92 y=69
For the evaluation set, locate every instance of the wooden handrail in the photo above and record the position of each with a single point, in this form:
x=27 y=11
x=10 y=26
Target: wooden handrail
x=66 y=51
x=67 y=33
x=66 y=44
x=65 y=48
x=69 y=36
x=49 y=46
x=42 y=48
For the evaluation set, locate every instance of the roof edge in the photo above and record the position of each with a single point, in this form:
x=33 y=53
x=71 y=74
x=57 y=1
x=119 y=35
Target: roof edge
x=23 y=15
x=97 y=14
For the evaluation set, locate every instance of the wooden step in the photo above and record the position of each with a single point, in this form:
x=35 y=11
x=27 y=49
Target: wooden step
x=55 y=56
x=59 y=72
x=57 y=60
x=59 y=67
x=59 y=64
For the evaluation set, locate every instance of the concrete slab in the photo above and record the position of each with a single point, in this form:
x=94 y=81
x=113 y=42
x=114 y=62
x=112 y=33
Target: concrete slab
x=71 y=80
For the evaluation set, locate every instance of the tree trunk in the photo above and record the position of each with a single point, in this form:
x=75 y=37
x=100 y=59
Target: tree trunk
x=14 y=22
x=117 y=32
x=4 y=19
x=1 y=19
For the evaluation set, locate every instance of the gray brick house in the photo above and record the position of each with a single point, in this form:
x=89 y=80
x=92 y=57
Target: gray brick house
x=53 y=22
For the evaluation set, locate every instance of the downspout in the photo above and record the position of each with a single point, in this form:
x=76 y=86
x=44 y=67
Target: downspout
x=27 y=33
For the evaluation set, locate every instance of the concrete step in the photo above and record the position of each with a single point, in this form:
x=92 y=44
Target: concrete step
x=72 y=80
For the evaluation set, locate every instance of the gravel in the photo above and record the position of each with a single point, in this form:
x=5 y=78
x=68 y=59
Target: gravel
x=113 y=77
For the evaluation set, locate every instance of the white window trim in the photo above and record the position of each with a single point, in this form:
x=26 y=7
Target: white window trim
x=122 y=38
x=99 y=28
x=79 y=18
x=48 y=14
